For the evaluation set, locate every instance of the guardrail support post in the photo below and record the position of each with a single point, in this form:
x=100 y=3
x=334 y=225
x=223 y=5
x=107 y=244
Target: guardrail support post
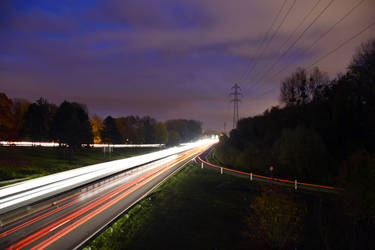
x=295 y=184
x=221 y=170
x=251 y=176
x=202 y=165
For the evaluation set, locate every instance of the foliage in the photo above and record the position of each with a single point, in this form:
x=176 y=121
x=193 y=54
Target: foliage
x=97 y=126
x=193 y=209
x=161 y=133
x=321 y=124
x=6 y=117
x=71 y=125
x=173 y=138
x=299 y=88
x=38 y=120
x=358 y=178
x=275 y=218
x=301 y=154
x=188 y=130
x=19 y=108
x=324 y=133
x=110 y=133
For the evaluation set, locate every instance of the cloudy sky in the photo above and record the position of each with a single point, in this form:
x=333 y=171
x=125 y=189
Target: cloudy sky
x=171 y=58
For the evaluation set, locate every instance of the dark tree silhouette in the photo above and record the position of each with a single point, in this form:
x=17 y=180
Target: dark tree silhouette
x=71 y=125
x=110 y=132
x=37 y=120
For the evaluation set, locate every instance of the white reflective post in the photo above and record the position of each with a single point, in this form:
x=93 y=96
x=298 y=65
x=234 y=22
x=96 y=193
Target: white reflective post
x=251 y=176
x=221 y=170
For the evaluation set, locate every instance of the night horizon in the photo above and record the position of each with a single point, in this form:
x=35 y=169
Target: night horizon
x=187 y=124
x=167 y=59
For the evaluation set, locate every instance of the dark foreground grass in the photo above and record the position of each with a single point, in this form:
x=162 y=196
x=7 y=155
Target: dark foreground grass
x=201 y=209
x=32 y=162
x=194 y=209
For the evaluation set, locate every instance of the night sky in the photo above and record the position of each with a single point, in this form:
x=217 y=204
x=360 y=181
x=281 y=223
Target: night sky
x=166 y=58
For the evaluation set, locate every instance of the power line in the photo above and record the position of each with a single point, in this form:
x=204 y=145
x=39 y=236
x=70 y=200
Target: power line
x=299 y=25
x=328 y=31
x=264 y=39
x=298 y=38
x=275 y=32
x=341 y=45
x=323 y=35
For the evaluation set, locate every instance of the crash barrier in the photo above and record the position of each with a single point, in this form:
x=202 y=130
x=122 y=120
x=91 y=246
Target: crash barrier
x=294 y=184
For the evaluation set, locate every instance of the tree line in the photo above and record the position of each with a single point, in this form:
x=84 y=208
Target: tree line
x=69 y=123
x=323 y=132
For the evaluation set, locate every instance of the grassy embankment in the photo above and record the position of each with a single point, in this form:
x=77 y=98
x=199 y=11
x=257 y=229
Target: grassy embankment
x=32 y=162
x=201 y=209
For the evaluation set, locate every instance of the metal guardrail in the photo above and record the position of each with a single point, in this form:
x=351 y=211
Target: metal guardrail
x=255 y=177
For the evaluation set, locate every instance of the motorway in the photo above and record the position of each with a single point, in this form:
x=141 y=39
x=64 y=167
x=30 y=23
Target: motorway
x=71 y=219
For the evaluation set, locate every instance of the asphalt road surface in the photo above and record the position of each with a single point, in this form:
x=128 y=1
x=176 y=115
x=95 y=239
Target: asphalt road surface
x=70 y=220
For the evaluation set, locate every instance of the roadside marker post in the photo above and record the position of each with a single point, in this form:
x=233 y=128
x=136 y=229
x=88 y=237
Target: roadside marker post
x=295 y=184
x=251 y=176
x=202 y=165
x=221 y=170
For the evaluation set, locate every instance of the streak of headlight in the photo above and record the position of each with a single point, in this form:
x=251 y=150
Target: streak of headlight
x=33 y=190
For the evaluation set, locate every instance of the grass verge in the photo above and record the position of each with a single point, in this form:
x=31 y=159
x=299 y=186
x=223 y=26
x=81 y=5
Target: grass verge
x=193 y=209
x=32 y=162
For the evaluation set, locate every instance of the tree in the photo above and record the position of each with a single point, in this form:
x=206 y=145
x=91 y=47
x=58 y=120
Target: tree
x=6 y=117
x=188 y=130
x=97 y=125
x=71 y=125
x=301 y=153
x=301 y=88
x=146 y=129
x=19 y=108
x=161 y=133
x=37 y=120
x=194 y=129
x=358 y=177
x=174 y=139
x=129 y=129
x=110 y=133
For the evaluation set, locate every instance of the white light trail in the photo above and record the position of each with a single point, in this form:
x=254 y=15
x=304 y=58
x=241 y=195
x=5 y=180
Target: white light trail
x=27 y=192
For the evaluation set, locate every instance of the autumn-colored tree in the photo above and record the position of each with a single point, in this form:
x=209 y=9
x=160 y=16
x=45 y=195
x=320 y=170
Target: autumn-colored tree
x=97 y=126
x=19 y=108
x=161 y=133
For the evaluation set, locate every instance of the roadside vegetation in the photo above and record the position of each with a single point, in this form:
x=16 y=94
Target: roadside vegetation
x=201 y=209
x=70 y=124
x=323 y=133
x=32 y=162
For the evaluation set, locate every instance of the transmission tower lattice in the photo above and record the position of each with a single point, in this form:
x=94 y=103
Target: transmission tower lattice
x=236 y=99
